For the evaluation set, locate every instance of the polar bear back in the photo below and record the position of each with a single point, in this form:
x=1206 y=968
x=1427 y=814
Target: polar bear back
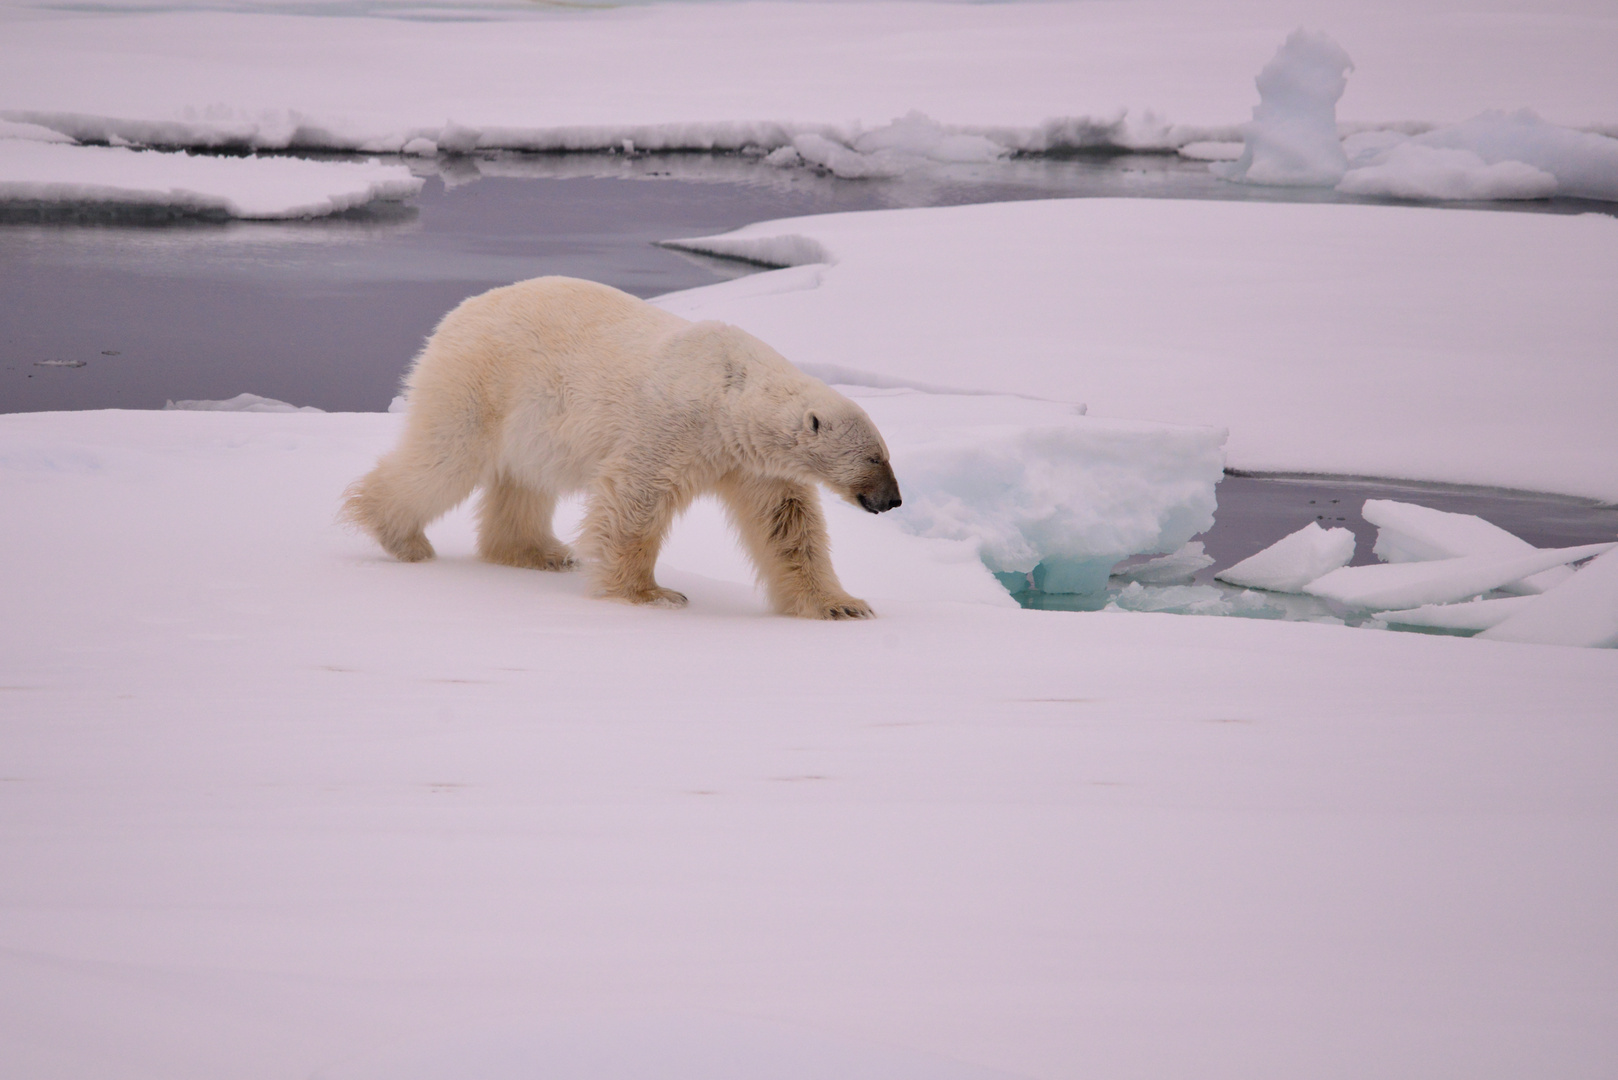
x=554 y=376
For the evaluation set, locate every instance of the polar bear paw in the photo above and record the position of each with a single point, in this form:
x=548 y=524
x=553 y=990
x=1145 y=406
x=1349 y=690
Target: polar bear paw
x=656 y=596
x=846 y=607
x=559 y=559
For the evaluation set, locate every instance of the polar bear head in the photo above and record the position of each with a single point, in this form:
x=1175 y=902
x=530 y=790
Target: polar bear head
x=790 y=425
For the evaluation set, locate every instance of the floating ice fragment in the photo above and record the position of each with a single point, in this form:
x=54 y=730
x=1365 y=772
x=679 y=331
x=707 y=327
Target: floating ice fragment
x=1583 y=610
x=1175 y=567
x=1292 y=139
x=241 y=403
x=1410 y=533
x=1294 y=560
x=1473 y=615
x=1407 y=585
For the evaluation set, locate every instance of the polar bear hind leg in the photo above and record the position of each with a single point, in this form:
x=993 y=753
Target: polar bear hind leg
x=410 y=488
x=783 y=529
x=514 y=527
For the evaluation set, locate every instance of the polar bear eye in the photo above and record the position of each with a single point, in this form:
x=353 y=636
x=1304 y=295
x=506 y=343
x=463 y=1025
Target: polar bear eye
x=814 y=423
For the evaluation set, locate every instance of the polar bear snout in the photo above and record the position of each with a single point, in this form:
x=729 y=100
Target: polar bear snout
x=880 y=493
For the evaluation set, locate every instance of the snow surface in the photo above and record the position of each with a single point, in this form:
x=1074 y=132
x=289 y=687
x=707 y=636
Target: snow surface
x=1292 y=139
x=1583 y=610
x=272 y=187
x=1028 y=76
x=1414 y=171
x=1294 y=560
x=275 y=805
x=1463 y=346
x=1038 y=486
x=1392 y=586
x=1406 y=532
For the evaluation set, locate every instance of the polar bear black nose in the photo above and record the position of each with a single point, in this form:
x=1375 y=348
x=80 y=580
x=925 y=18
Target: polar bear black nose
x=883 y=494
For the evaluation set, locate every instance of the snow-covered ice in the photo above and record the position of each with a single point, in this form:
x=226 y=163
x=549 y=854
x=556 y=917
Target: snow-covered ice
x=1292 y=139
x=1491 y=156
x=1038 y=486
x=1294 y=560
x=1583 y=610
x=1175 y=567
x=1390 y=586
x=243 y=402
x=1406 y=532
x=275 y=804
x=1464 y=346
x=241 y=187
x=1413 y=170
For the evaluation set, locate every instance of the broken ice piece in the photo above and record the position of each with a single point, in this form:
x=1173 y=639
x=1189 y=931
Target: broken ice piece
x=1390 y=586
x=1294 y=560
x=1178 y=566
x=1583 y=610
x=1474 y=615
x=1410 y=533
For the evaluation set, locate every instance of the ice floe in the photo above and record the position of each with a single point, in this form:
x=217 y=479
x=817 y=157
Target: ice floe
x=1471 y=615
x=1293 y=561
x=239 y=187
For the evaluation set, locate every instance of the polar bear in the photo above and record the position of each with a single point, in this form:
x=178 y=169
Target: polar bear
x=555 y=385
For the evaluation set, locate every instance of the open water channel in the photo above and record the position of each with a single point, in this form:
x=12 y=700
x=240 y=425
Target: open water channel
x=124 y=307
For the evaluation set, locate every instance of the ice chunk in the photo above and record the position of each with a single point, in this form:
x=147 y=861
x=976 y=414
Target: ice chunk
x=1474 y=615
x=1584 y=164
x=1415 y=171
x=1292 y=139
x=1294 y=560
x=243 y=403
x=1040 y=487
x=909 y=142
x=1407 y=532
x=1583 y=610
x=1443 y=581
x=250 y=187
x=1191 y=600
x=1177 y=566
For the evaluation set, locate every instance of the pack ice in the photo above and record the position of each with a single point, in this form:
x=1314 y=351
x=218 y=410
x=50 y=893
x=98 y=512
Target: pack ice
x=1436 y=569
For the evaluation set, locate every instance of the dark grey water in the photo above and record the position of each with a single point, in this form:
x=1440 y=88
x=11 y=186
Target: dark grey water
x=126 y=308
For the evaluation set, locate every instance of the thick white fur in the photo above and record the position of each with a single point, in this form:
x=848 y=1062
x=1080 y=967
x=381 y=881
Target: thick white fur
x=553 y=386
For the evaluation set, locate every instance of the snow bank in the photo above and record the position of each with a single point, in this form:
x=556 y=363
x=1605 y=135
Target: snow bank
x=1362 y=340
x=1410 y=533
x=1441 y=581
x=1585 y=164
x=1583 y=610
x=1292 y=139
x=1293 y=561
x=273 y=187
x=1039 y=487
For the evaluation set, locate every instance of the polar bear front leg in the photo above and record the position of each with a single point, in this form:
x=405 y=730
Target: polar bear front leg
x=784 y=531
x=623 y=531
